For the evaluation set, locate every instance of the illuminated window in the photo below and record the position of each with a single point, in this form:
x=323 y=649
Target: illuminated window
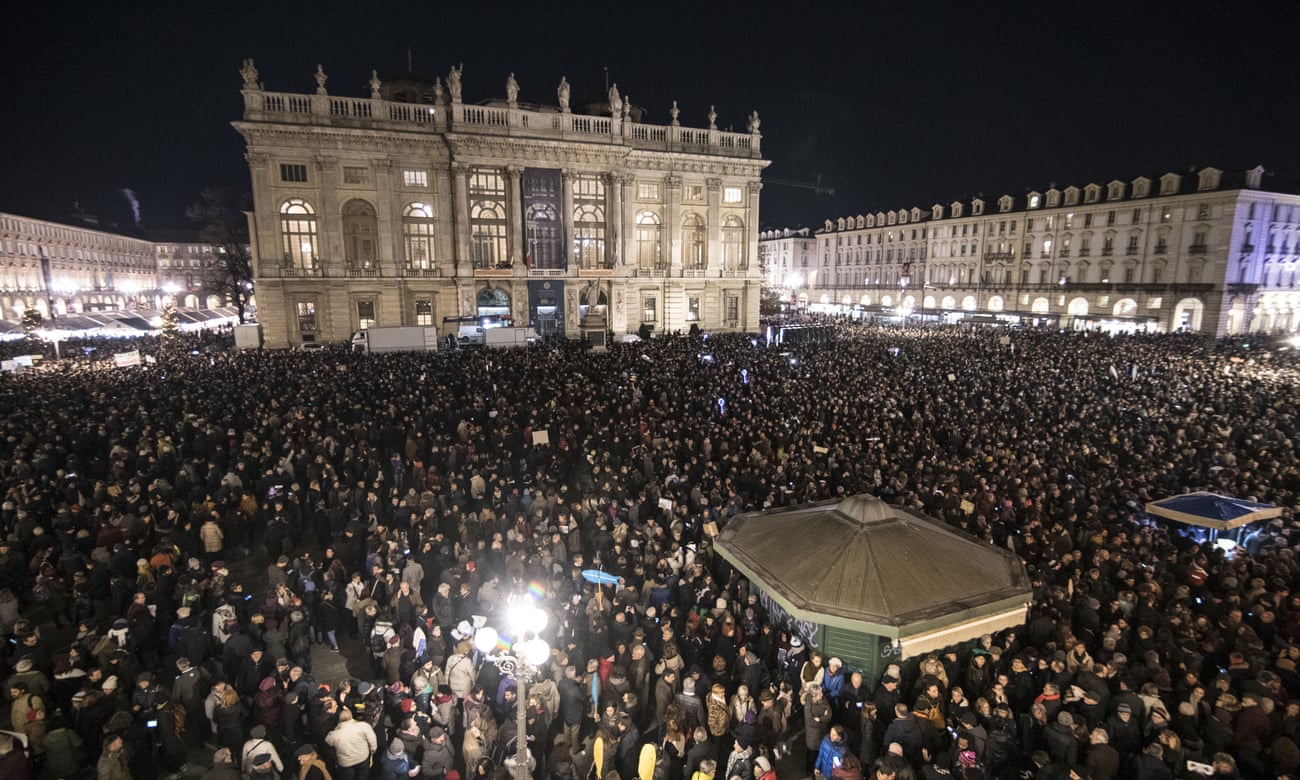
x=424 y=312
x=732 y=195
x=412 y=178
x=307 y=320
x=589 y=222
x=355 y=175
x=365 y=314
x=649 y=241
x=487 y=220
x=649 y=309
x=298 y=229
x=417 y=235
x=647 y=190
x=693 y=309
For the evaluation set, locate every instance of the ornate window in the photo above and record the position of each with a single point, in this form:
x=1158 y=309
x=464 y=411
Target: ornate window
x=695 y=242
x=359 y=232
x=543 y=230
x=298 y=229
x=417 y=235
x=733 y=245
x=649 y=241
x=589 y=222
x=487 y=220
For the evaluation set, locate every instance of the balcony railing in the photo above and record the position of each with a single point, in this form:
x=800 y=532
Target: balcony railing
x=260 y=105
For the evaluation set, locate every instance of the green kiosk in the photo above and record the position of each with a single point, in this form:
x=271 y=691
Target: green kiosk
x=874 y=583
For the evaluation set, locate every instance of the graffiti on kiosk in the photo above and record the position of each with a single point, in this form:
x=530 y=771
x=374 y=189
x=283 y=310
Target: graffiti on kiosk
x=804 y=629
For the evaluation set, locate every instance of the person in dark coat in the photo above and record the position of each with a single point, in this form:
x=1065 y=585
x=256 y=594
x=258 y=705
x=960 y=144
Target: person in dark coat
x=1102 y=760
x=1150 y=764
x=1059 y=741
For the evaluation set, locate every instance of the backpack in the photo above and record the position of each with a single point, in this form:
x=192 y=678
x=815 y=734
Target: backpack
x=999 y=746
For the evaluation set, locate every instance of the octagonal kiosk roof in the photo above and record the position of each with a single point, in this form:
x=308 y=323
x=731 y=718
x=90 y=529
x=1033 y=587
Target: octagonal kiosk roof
x=867 y=566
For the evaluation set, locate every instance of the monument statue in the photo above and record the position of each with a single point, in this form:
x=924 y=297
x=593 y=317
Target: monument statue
x=438 y=93
x=674 y=111
x=512 y=89
x=561 y=92
x=615 y=102
x=754 y=122
x=453 y=82
x=320 y=80
x=713 y=119
x=375 y=84
x=250 y=75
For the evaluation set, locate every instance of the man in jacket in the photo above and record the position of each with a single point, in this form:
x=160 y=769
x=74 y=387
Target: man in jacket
x=831 y=752
x=436 y=758
x=906 y=732
x=354 y=742
x=574 y=704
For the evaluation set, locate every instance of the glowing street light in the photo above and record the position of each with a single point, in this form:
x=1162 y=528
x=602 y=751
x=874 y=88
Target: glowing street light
x=524 y=621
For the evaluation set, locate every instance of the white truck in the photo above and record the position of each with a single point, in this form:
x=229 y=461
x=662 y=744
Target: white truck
x=413 y=338
x=499 y=338
x=248 y=336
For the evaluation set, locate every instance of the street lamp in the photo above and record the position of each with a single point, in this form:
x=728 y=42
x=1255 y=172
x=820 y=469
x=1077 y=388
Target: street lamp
x=528 y=651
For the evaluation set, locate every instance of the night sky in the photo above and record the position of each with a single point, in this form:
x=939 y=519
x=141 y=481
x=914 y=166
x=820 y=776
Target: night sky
x=892 y=104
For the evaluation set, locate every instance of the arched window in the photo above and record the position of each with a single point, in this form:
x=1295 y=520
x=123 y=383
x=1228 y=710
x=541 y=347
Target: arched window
x=298 y=229
x=693 y=240
x=589 y=236
x=359 y=233
x=649 y=241
x=417 y=234
x=487 y=219
x=589 y=222
x=733 y=245
x=493 y=301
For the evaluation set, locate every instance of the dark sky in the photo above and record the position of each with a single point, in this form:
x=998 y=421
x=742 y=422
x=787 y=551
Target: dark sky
x=892 y=104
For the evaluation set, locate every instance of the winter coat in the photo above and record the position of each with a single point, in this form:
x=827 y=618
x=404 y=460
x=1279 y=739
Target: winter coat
x=719 y=717
x=353 y=742
x=211 y=536
x=817 y=721
x=436 y=760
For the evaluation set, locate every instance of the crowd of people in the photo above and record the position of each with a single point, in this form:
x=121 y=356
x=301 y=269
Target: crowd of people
x=397 y=504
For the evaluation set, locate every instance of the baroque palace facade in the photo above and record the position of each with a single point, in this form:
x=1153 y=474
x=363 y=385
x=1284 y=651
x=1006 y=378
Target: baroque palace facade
x=411 y=207
x=1208 y=251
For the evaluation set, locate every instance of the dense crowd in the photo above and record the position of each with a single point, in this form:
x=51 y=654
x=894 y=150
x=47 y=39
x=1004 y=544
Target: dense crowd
x=400 y=503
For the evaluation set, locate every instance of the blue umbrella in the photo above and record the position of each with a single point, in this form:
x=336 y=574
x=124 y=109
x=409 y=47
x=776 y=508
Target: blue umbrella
x=1212 y=510
x=599 y=577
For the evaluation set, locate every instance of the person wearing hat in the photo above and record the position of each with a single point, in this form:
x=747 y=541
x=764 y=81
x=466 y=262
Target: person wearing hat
x=310 y=765
x=395 y=764
x=436 y=756
x=26 y=673
x=258 y=749
x=740 y=763
x=1058 y=739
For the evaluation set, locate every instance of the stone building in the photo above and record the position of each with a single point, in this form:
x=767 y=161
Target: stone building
x=410 y=206
x=61 y=268
x=1208 y=251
